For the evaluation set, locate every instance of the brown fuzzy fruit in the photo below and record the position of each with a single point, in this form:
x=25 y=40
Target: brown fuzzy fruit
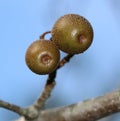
x=42 y=57
x=72 y=33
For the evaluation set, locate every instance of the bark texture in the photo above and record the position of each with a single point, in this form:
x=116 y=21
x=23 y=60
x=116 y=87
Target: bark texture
x=88 y=110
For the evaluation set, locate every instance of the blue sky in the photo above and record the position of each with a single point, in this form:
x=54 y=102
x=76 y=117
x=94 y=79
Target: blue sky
x=90 y=74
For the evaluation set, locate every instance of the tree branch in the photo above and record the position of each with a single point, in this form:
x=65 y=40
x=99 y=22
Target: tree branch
x=88 y=110
x=11 y=107
x=32 y=111
x=39 y=104
x=50 y=83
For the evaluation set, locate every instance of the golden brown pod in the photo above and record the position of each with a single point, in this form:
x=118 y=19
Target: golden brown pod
x=42 y=57
x=72 y=33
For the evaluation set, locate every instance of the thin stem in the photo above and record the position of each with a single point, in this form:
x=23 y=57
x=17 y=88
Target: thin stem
x=65 y=60
x=29 y=112
x=32 y=112
x=39 y=104
x=12 y=107
x=51 y=76
x=43 y=35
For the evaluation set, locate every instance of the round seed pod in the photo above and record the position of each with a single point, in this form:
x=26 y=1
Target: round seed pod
x=72 y=34
x=42 y=57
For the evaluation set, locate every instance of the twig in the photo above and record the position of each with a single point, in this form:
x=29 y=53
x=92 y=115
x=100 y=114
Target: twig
x=51 y=76
x=32 y=112
x=11 y=107
x=65 y=60
x=39 y=104
x=43 y=35
x=14 y=108
x=28 y=113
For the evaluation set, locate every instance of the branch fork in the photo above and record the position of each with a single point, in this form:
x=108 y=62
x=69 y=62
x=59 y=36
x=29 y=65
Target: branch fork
x=88 y=110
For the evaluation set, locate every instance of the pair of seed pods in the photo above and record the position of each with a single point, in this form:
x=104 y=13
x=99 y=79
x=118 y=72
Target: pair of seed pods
x=71 y=33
